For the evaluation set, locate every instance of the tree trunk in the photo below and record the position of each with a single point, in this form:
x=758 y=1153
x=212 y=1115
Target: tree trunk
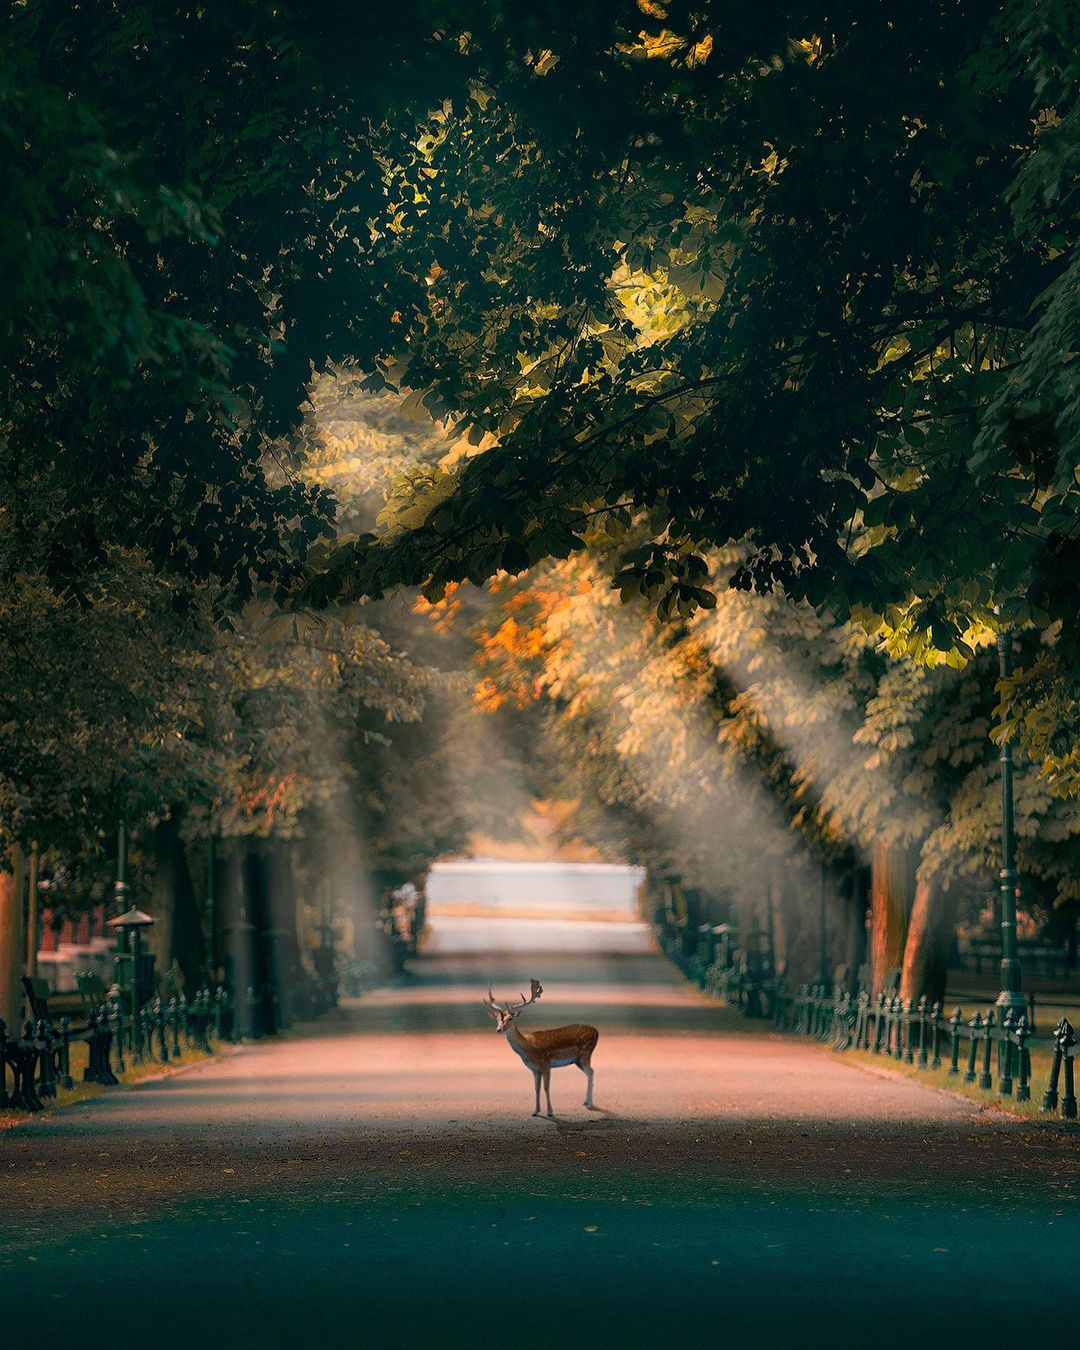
x=892 y=886
x=33 y=913
x=281 y=893
x=858 y=888
x=926 y=951
x=263 y=939
x=12 y=940
x=177 y=932
x=236 y=947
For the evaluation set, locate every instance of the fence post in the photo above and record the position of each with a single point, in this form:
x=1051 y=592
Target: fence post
x=1050 y=1096
x=90 y=1072
x=1068 y=1044
x=1005 y=1065
x=65 y=1052
x=879 y=1024
x=1023 y=1061
x=43 y=1045
x=975 y=1032
x=105 y=1027
x=117 y=1014
x=909 y=1039
x=842 y=1023
x=935 y=1015
x=29 y=1098
x=956 y=1021
x=922 y=1046
x=986 y=1080
x=157 y=1024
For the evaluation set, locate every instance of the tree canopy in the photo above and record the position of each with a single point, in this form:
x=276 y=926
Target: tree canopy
x=797 y=277
x=802 y=278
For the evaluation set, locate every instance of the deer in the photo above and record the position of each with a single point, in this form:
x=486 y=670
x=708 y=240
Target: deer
x=543 y=1051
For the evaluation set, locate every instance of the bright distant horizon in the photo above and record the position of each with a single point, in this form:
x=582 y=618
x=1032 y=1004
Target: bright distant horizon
x=465 y=862
x=551 y=889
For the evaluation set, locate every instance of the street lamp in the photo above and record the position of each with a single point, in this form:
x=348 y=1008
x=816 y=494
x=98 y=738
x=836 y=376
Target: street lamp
x=1010 y=996
x=129 y=928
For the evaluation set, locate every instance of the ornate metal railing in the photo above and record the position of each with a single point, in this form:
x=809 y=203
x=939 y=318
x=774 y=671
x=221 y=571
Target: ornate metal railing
x=36 y=1063
x=989 y=1049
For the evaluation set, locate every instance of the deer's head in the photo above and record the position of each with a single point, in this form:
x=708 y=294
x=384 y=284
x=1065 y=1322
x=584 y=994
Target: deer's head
x=504 y=1013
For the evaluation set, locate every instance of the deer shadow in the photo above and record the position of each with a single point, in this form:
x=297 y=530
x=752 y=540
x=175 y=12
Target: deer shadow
x=598 y=1120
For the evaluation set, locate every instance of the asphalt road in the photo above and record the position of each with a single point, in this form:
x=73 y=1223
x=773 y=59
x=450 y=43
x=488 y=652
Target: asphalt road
x=376 y=1179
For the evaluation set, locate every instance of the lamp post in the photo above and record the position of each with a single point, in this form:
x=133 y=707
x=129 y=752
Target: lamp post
x=129 y=927
x=120 y=887
x=1010 y=996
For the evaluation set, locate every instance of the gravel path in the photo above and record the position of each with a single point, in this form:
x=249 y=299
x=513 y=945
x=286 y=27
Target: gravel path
x=376 y=1179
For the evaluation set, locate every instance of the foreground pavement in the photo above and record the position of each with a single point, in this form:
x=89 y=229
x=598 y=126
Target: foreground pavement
x=377 y=1179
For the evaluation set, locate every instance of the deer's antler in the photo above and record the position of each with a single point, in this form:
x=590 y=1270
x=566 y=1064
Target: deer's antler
x=536 y=990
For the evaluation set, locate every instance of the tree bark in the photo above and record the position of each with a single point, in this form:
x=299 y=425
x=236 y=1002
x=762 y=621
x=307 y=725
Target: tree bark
x=281 y=894
x=12 y=940
x=926 y=952
x=263 y=940
x=33 y=913
x=235 y=946
x=892 y=887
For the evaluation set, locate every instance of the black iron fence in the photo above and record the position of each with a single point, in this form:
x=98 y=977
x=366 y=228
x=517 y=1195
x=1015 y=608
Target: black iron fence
x=990 y=1049
x=36 y=1063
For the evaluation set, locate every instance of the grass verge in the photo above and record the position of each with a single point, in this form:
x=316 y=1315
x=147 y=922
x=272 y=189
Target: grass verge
x=81 y=1091
x=954 y=1083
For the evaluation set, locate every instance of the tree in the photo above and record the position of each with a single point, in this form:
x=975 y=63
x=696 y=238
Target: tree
x=818 y=247
x=806 y=282
x=761 y=740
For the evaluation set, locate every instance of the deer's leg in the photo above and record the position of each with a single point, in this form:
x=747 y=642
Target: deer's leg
x=547 y=1092
x=587 y=1069
x=536 y=1079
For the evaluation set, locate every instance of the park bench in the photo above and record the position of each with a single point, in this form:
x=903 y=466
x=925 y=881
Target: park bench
x=92 y=992
x=51 y=1037
x=20 y=1055
x=1036 y=955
